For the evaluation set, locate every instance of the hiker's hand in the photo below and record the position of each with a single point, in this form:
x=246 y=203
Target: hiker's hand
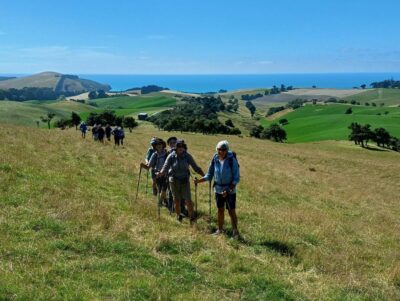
x=225 y=194
x=231 y=187
x=196 y=181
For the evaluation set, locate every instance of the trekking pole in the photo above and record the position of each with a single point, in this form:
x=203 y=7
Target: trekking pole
x=137 y=188
x=158 y=205
x=209 y=201
x=195 y=199
x=147 y=183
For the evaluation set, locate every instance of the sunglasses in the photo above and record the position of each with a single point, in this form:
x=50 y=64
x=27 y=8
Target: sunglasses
x=222 y=149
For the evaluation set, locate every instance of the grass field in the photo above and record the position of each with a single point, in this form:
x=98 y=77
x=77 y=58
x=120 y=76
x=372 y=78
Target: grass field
x=320 y=222
x=390 y=97
x=27 y=113
x=329 y=122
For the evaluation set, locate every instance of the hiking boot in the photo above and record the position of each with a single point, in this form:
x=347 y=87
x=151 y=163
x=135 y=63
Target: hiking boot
x=193 y=220
x=218 y=232
x=235 y=234
x=154 y=191
x=179 y=218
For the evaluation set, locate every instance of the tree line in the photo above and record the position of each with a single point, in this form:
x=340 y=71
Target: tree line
x=29 y=93
x=362 y=134
x=274 y=132
x=196 y=114
x=389 y=83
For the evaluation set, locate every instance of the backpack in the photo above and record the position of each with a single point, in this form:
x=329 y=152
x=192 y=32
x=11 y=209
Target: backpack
x=230 y=160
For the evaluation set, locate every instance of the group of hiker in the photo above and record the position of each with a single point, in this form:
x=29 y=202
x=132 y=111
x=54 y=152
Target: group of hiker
x=99 y=133
x=170 y=173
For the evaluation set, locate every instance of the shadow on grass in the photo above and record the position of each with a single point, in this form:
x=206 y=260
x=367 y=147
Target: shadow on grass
x=279 y=247
x=375 y=149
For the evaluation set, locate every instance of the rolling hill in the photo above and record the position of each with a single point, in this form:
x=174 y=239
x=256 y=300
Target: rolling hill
x=60 y=83
x=319 y=221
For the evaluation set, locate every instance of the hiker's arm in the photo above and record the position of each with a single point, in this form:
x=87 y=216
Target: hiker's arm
x=235 y=173
x=208 y=176
x=195 y=166
x=145 y=166
x=165 y=167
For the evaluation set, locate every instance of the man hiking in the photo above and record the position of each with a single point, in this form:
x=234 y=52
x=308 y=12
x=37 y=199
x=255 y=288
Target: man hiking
x=150 y=152
x=100 y=133
x=171 y=141
x=224 y=168
x=108 y=132
x=177 y=168
x=156 y=163
x=83 y=129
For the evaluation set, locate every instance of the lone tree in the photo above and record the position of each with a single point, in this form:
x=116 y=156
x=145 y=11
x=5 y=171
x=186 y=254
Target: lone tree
x=251 y=107
x=283 y=121
x=130 y=122
x=360 y=134
x=381 y=137
x=47 y=118
x=229 y=123
x=274 y=132
x=349 y=111
x=363 y=86
x=75 y=119
x=256 y=131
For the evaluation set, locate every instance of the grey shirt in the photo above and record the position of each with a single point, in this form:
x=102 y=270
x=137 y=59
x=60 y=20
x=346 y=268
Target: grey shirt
x=157 y=160
x=178 y=166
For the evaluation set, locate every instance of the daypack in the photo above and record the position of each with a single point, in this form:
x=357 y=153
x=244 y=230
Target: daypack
x=230 y=160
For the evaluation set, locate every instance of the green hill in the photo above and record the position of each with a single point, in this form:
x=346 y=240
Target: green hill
x=329 y=122
x=320 y=222
x=60 y=83
x=389 y=97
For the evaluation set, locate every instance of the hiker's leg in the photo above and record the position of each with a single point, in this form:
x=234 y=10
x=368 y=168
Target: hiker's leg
x=221 y=212
x=177 y=207
x=232 y=214
x=189 y=205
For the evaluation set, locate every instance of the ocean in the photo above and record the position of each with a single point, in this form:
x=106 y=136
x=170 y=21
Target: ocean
x=213 y=83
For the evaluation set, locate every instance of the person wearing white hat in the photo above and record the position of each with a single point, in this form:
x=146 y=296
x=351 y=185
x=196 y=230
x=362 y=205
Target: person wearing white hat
x=224 y=168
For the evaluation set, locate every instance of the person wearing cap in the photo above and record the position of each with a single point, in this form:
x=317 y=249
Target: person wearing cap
x=83 y=128
x=150 y=152
x=224 y=168
x=156 y=162
x=177 y=167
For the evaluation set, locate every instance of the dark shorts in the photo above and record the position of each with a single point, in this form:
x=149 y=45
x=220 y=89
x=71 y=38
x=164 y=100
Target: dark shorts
x=162 y=184
x=229 y=201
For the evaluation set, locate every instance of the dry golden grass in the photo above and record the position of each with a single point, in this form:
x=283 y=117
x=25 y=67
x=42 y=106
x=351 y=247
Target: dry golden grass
x=320 y=221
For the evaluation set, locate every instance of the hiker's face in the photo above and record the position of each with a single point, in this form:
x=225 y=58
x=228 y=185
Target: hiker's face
x=159 y=147
x=222 y=152
x=172 y=144
x=180 y=149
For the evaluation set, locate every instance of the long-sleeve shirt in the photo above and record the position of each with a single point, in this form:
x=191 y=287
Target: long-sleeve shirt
x=224 y=175
x=178 y=166
x=157 y=160
x=149 y=153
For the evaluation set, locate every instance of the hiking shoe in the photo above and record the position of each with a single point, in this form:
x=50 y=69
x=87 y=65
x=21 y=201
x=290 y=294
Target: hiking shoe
x=218 y=232
x=235 y=234
x=179 y=218
x=193 y=220
x=154 y=191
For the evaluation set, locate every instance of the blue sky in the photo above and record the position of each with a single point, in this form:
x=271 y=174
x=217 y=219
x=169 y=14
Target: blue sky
x=199 y=37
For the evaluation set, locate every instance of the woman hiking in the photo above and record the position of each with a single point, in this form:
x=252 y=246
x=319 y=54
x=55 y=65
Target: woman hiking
x=156 y=163
x=224 y=168
x=177 y=167
x=150 y=152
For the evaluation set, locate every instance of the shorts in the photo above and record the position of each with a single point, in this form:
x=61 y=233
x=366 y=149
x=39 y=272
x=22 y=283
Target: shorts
x=162 y=184
x=180 y=190
x=229 y=201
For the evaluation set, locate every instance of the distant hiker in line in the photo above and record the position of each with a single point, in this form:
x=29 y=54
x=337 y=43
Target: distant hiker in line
x=224 y=168
x=121 y=135
x=100 y=133
x=150 y=152
x=83 y=129
x=108 y=132
x=156 y=163
x=117 y=135
x=94 y=133
x=177 y=168
x=171 y=141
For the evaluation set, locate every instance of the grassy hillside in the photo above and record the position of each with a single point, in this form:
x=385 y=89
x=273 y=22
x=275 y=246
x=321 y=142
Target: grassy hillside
x=329 y=122
x=320 y=222
x=390 y=97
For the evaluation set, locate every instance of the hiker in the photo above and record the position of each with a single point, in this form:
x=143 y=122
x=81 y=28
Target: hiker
x=156 y=163
x=224 y=168
x=100 y=133
x=171 y=141
x=177 y=167
x=83 y=129
x=108 y=132
x=150 y=152
x=94 y=132
x=116 y=134
x=121 y=135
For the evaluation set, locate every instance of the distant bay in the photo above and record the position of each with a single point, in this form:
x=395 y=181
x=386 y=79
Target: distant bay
x=212 y=83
